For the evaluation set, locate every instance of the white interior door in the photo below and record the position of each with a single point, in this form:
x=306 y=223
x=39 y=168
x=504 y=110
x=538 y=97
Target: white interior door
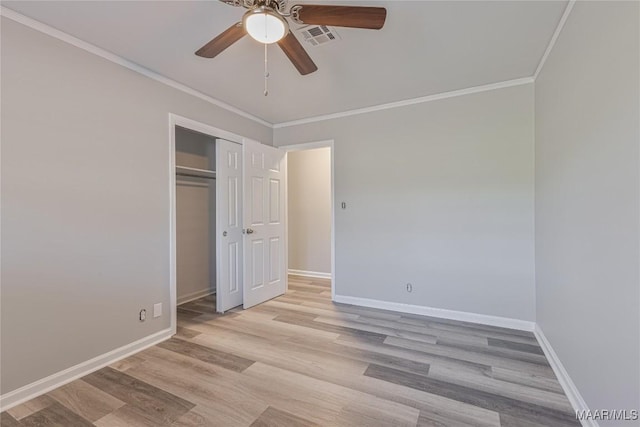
x=264 y=221
x=229 y=225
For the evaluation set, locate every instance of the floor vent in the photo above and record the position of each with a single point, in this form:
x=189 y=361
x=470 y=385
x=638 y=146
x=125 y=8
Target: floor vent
x=316 y=35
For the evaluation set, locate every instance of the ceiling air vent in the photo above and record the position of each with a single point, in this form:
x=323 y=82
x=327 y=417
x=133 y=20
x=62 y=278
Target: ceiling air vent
x=316 y=35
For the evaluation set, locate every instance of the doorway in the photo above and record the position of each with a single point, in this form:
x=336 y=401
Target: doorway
x=310 y=210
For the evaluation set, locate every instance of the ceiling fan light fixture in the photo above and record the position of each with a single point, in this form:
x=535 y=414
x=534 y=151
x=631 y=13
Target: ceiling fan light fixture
x=263 y=24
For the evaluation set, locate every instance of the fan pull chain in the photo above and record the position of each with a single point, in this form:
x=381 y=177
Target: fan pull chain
x=266 y=72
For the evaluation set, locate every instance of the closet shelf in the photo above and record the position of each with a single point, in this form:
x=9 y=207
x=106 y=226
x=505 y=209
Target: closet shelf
x=195 y=172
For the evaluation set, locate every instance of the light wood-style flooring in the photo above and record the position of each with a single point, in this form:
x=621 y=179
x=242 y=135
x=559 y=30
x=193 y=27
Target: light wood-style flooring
x=301 y=360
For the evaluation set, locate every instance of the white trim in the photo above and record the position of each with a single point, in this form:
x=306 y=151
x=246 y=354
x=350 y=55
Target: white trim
x=333 y=223
x=310 y=146
x=570 y=389
x=67 y=38
x=406 y=102
x=192 y=296
x=313 y=274
x=44 y=385
x=463 y=316
x=307 y=145
x=554 y=38
x=206 y=129
x=173 y=275
x=286 y=220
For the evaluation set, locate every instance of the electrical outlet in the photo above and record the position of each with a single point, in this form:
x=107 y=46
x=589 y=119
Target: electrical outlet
x=157 y=310
x=143 y=315
x=409 y=287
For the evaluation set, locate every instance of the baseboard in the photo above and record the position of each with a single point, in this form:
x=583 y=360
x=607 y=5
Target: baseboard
x=37 y=388
x=483 y=319
x=314 y=274
x=194 y=296
x=564 y=379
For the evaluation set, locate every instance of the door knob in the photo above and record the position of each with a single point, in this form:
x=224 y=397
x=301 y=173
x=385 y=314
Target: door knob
x=249 y=231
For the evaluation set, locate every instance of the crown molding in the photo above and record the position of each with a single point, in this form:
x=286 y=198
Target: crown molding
x=67 y=38
x=406 y=102
x=555 y=36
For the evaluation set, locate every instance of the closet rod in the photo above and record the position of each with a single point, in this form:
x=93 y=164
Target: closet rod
x=195 y=172
x=193 y=175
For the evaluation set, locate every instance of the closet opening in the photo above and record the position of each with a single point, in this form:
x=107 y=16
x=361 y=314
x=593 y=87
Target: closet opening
x=205 y=206
x=195 y=170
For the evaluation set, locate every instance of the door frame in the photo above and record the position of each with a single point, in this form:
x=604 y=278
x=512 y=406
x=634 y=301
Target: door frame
x=310 y=146
x=176 y=120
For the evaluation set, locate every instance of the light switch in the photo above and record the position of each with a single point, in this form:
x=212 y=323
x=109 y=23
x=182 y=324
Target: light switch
x=157 y=310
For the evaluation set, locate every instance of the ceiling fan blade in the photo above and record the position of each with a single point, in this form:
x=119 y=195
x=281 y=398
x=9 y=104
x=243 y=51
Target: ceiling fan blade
x=223 y=41
x=341 y=16
x=297 y=55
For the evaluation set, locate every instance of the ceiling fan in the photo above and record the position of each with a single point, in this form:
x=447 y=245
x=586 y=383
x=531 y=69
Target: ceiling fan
x=266 y=22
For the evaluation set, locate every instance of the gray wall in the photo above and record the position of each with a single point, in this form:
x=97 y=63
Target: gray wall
x=438 y=194
x=587 y=133
x=85 y=202
x=195 y=217
x=309 y=212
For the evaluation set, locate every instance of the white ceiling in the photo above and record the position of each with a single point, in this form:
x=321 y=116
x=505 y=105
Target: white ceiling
x=425 y=48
